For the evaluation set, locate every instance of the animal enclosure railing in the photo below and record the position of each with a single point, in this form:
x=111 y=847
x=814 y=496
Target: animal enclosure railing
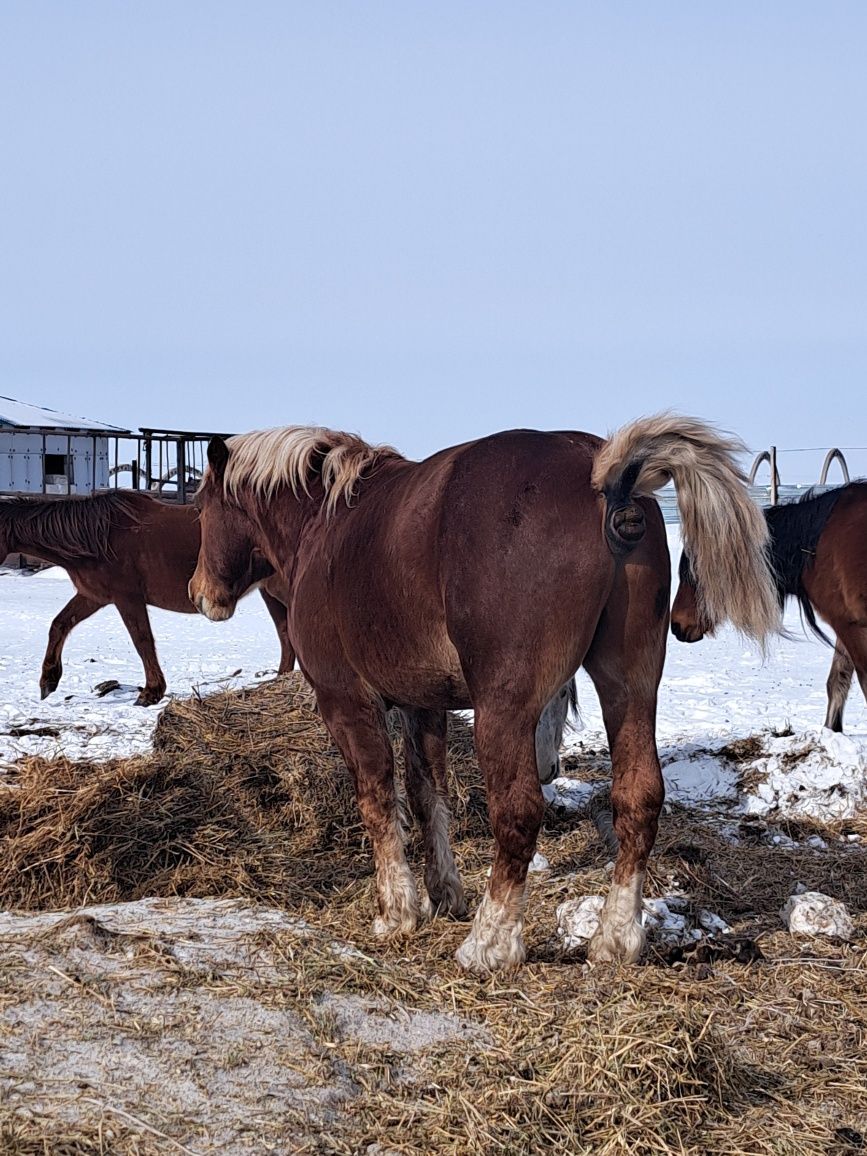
x=169 y=463
x=775 y=490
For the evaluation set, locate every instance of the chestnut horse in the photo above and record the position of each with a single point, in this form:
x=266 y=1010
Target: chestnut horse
x=128 y=549
x=482 y=578
x=819 y=556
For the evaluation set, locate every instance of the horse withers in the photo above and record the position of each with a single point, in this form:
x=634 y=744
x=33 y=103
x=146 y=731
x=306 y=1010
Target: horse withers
x=482 y=578
x=130 y=550
x=818 y=551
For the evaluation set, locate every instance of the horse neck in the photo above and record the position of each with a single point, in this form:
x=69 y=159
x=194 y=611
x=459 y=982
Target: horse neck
x=22 y=536
x=795 y=529
x=282 y=522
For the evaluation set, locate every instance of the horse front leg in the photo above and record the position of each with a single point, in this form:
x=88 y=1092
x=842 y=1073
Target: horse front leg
x=279 y=615
x=506 y=749
x=357 y=725
x=76 y=610
x=425 y=753
x=135 y=619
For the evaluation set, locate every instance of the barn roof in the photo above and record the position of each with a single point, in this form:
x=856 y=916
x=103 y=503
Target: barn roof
x=20 y=415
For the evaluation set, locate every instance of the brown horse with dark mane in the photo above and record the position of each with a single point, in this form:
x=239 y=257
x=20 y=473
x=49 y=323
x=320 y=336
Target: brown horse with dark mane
x=819 y=556
x=130 y=550
x=484 y=577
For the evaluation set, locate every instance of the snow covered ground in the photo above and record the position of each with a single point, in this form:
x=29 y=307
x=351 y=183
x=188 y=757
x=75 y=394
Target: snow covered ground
x=711 y=692
x=193 y=652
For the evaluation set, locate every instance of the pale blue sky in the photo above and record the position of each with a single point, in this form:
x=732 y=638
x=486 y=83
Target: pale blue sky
x=427 y=222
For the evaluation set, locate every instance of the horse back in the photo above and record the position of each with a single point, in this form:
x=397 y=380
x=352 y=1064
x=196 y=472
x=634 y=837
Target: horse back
x=477 y=549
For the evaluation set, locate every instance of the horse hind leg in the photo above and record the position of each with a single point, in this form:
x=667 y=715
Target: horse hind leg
x=357 y=725
x=505 y=745
x=625 y=664
x=424 y=734
x=839 y=682
x=76 y=610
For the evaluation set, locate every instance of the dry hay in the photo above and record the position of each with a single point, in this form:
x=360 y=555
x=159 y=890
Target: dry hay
x=244 y=794
x=737 y=1052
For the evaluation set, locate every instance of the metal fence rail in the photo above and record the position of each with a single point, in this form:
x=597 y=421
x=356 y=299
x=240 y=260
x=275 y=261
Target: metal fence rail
x=775 y=490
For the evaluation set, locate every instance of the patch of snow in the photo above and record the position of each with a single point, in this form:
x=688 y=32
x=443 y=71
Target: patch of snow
x=578 y=920
x=812 y=913
x=663 y=923
x=193 y=652
x=698 y=781
x=818 y=774
x=569 y=794
x=713 y=924
x=669 y=920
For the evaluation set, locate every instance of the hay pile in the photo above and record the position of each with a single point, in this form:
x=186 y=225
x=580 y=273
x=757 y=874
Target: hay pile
x=741 y=1053
x=243 y=795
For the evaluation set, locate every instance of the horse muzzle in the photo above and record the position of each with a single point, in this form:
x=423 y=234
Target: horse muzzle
x=685 y=633
x=215 y=611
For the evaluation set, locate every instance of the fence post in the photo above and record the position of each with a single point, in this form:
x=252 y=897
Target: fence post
x=769 y=456
x=775 y=477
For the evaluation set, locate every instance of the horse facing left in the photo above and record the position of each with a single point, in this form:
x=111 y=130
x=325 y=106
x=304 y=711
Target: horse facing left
x=482 y=578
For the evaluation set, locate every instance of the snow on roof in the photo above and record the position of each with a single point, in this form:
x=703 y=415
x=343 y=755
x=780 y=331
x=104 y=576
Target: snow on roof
x=20 y=415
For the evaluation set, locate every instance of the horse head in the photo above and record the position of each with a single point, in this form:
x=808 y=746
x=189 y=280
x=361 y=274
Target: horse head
x=688 y=622
x=230 y=562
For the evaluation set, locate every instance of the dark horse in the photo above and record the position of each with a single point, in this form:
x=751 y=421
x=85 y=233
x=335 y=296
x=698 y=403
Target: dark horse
x=123 y=548
x=484 y=577
x=819 y=556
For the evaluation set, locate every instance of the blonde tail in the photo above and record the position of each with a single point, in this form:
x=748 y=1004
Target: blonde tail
x=724 y=532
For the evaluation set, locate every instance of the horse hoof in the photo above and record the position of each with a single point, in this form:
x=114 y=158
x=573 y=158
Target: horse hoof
x=621 y=945
x=148 y=697
x=385 y=928
x=447 y=900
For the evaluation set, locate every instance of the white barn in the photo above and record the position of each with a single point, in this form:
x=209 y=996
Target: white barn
x=46 y=452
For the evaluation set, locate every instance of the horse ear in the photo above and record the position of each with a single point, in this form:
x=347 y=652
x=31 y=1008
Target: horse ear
x=218 y=455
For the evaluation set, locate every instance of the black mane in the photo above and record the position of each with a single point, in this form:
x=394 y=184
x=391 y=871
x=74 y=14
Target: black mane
x=795 y=528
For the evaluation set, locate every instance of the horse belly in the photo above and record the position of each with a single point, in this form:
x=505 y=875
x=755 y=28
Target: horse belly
x=409 y=667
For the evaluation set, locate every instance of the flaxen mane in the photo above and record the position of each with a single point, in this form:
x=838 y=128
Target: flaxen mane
x=73 y=528
x=265 y=460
